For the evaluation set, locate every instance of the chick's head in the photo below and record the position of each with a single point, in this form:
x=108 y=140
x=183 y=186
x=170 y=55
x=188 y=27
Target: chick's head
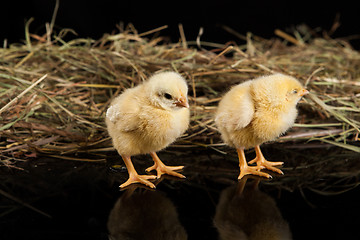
x=278 y=90
x=168 y=90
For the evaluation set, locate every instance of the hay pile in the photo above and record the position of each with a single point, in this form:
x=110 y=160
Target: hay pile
x=54 y=93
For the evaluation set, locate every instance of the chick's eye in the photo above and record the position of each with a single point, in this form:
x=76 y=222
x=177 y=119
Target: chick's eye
x=167 y=96
x=294 y=91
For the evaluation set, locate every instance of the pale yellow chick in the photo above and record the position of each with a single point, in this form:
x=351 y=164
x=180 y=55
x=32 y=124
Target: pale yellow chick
x=255 y=112
x=146 y=119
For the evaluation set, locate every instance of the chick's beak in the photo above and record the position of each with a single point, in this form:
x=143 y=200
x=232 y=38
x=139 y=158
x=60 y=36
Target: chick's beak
x=303 y=92
x=182 y=102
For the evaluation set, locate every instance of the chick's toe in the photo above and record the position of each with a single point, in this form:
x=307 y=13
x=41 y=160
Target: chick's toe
x=246 y=170
x=135 y=178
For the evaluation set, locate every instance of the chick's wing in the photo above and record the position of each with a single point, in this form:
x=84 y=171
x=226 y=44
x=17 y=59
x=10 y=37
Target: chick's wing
x=124 y=112
x=236 y=110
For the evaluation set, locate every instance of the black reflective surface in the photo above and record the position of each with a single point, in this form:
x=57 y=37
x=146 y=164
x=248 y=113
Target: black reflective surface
x=318 y=198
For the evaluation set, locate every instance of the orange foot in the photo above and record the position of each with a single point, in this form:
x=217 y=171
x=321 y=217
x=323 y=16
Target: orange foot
x=135 y=178
x=246 y=170
x=162 y=169
x=262 y=163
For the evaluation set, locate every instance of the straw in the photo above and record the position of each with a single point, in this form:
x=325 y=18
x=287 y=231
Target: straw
x=77 y=79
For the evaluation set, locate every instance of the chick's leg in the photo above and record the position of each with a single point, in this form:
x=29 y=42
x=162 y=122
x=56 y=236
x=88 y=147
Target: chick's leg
x=245 y=169
x=161 y=168
x=262 y=163
x=134 y=177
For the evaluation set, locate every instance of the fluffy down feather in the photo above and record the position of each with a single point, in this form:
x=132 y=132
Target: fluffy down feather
x=258 y=110
x=146 y=119
x=142 y=120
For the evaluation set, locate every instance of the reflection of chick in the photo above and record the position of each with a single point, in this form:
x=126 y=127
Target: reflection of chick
x=146 y=119
x=247 y=213
x=258 y=111
x=145 y=215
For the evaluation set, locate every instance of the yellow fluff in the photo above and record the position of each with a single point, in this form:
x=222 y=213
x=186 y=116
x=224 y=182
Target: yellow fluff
x=258 y=111
x=149 y=117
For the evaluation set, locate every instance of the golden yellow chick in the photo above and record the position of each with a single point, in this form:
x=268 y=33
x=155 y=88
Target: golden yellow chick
x=146 y=119
x=255 y=112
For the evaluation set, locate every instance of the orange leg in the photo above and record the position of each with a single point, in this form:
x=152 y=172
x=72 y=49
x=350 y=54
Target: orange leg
x=161 y=168
x=262 y=163
x=134 y=177
x=245 y=169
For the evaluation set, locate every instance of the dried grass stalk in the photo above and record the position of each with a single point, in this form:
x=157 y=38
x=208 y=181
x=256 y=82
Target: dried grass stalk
x=58 y=90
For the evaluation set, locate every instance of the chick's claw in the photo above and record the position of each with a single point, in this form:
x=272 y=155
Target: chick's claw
x=135 y=178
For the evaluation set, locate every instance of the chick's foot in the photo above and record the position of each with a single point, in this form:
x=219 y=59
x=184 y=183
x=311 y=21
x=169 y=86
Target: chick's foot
x=134 y=177
x=245 y=169
x=143 y=179
x=262 y=163
x=162 y=169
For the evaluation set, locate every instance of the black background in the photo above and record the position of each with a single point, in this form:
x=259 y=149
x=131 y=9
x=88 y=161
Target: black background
x=94 y=18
